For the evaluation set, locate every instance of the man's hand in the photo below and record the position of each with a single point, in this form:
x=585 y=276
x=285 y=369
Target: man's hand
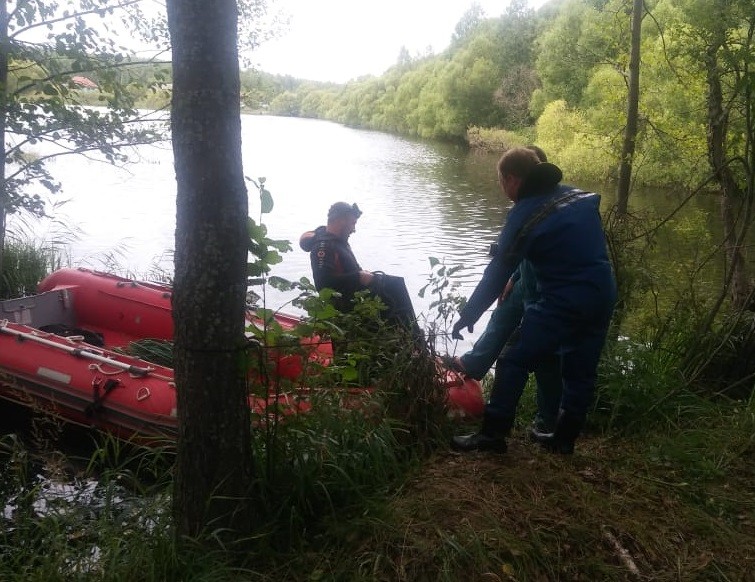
x=366 y=277
x=458 y=326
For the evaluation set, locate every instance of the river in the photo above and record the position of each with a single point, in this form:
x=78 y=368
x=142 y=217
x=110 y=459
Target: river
x=420 y=199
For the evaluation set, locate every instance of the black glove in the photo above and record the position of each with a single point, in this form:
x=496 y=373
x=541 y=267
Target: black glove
x=458 y=326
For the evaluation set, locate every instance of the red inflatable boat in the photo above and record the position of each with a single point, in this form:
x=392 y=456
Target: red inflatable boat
x=57 y=353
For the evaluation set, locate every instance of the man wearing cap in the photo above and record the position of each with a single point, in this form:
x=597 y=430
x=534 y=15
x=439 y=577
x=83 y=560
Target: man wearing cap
x=333 y=262
x=561 y=234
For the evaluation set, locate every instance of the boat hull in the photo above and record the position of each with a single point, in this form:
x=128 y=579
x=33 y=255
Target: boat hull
x=86 y=385
x=59 y=352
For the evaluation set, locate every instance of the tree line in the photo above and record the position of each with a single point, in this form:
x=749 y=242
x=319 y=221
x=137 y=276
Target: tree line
x=559 y=77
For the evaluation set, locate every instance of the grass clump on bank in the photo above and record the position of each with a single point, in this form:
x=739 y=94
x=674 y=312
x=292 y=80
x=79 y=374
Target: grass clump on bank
x=24 y=265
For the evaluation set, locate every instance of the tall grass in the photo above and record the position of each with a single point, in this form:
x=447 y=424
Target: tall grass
x=379 y=411
x=29 y=256
x=24 y=265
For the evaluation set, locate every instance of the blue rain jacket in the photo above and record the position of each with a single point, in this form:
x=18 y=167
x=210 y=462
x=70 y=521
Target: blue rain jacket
x=559 y=230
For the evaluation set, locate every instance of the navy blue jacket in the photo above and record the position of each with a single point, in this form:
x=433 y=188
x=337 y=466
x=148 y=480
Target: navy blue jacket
x=333 y=266
x=559 y=230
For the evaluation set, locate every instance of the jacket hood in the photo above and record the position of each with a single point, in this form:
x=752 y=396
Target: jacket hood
x=310 y=238
x=543 y=178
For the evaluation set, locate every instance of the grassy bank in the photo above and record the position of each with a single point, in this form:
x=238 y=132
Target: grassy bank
x=667 y=505
x=674 y=503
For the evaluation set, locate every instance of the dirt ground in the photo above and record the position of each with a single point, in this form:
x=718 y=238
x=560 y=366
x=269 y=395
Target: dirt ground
x=615 y=510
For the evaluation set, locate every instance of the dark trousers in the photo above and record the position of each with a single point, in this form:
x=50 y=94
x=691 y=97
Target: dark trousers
x=504 y=321
x=578 y=340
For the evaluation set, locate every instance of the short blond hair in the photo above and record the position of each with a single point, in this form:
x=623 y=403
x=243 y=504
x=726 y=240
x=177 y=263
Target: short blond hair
x=517 y=162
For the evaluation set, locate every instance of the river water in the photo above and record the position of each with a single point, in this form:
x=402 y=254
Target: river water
x=420 y=200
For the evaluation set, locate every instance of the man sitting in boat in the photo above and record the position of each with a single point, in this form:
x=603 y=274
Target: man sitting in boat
x=333 y=262
x=334 y=266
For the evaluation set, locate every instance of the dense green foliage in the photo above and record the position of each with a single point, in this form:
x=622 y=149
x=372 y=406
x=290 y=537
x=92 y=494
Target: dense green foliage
x=52 y=87
x=558 y=77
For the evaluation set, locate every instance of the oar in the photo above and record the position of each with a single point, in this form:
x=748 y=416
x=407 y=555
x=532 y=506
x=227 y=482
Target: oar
x=78 y=352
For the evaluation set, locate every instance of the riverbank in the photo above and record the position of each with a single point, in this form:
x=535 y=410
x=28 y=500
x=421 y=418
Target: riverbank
x=496 y=141
x=677 y=503
x=674 y=503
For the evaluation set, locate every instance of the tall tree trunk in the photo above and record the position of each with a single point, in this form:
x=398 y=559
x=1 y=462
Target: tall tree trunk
x=731 y=193
x=633 y=100
x=4 y=50
x=214 y=465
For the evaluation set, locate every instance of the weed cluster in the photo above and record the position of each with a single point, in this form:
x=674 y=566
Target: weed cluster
x=24 y=265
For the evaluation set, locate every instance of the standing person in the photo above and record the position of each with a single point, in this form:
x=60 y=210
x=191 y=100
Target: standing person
x=521 y=290
x=561 y=234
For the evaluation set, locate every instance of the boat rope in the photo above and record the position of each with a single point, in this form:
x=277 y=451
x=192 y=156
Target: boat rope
x=85 y=353
x=98 y=367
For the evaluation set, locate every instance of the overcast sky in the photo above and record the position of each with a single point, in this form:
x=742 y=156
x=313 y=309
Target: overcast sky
x=338 y=40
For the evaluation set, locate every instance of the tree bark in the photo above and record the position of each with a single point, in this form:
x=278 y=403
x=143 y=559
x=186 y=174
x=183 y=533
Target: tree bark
x=4 y=51
x=731 y=193
x=214 y=464
x=633 y=100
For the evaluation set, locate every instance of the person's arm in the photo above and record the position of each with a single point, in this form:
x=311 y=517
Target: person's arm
x=494 y=280
x=307 y=239
x=495 y=277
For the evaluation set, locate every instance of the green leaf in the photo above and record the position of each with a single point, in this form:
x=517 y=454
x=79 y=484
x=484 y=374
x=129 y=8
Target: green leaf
x=283 y=246
x=256 y=269
x=257 y=232
x=349 y=374
x=266 y=201
x=272 y=257
x=280 y=283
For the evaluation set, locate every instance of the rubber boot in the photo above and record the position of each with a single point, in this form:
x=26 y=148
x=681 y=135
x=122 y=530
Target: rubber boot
x=568 y=427
x=491 y=436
